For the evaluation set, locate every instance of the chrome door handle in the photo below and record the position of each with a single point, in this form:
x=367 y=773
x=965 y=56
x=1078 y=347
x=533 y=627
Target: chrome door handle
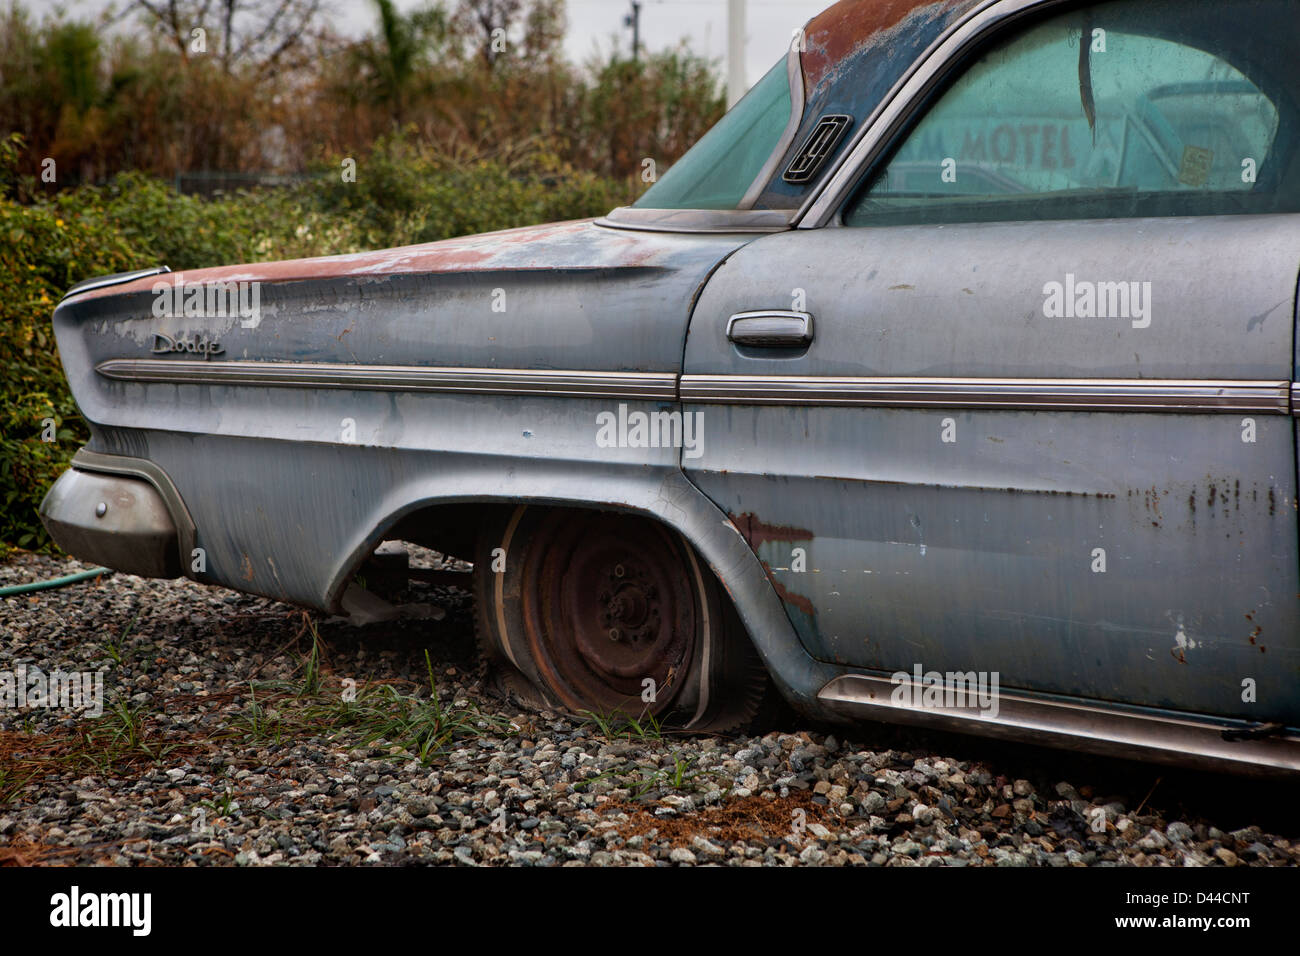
x=771 y=329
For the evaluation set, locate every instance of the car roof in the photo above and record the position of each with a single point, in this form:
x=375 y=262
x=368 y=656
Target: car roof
x=848 y=29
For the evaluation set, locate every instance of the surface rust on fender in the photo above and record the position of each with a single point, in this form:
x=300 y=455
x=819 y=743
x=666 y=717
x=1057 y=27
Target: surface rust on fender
x=574 y=245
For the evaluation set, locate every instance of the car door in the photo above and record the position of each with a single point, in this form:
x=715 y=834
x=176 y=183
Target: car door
x=1031 y=417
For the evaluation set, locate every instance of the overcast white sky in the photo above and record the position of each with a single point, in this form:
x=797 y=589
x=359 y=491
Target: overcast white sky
x=592 y=24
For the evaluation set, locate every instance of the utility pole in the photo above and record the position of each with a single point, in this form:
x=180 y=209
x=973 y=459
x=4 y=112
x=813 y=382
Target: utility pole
x=736 y=85
x=633 y=20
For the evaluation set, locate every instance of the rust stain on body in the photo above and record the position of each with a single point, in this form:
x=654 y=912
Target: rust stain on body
x=787 y=596
x=1254 y=634
x=758 y=532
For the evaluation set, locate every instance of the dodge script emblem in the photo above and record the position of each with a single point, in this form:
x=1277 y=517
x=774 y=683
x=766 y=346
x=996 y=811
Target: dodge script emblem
x=199 y=345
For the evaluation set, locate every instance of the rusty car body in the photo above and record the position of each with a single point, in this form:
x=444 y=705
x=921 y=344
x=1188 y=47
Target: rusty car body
x=1020 y=419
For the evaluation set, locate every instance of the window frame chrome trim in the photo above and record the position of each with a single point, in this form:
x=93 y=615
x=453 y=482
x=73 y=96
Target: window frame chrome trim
x=822 y=206
x=794 y=74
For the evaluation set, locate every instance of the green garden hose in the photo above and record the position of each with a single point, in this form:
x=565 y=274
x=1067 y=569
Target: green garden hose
x=53 y=582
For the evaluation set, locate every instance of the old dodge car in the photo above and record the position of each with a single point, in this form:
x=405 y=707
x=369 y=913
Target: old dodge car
x=950 y=379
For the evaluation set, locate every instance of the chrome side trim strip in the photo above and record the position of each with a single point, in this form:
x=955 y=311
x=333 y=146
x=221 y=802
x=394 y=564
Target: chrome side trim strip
x=1076 y=725
x=1116 y=395
x=117 y=278
x=1133 y=395
x=400 y=378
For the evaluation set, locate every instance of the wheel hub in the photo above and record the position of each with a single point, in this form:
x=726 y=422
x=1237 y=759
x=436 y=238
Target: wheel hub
x=629 y=606
x=615 y=606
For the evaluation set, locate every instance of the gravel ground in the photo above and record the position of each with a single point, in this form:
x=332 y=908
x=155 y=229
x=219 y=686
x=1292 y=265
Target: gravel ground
x=226 y=741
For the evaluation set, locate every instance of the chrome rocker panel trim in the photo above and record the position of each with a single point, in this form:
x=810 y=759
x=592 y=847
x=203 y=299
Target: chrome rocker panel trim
x=1078 y=726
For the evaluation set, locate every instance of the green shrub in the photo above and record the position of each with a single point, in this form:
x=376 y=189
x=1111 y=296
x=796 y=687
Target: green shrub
x=47 y=248
x=405 y=194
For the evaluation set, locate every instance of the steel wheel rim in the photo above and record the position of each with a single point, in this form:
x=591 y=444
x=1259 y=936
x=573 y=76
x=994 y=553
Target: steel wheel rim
x=608 y=603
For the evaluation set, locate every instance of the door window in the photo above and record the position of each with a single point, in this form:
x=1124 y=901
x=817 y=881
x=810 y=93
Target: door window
x=1120 y=110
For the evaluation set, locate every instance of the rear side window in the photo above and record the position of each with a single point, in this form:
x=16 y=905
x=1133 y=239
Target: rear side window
x=1122 y=109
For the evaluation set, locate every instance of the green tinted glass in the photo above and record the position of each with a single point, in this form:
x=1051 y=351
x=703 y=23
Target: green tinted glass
x=1132 y=124
x=716 y=172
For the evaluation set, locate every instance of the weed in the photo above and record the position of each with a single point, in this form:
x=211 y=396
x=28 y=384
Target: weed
x=311 y=664
x=423 y=728
x=113 y=647
x=224 y=806
x=11 y=782
x=260 y=722
x=616 y=724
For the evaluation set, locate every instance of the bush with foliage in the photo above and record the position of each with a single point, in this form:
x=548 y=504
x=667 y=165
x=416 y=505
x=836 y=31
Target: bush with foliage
x=47 y=248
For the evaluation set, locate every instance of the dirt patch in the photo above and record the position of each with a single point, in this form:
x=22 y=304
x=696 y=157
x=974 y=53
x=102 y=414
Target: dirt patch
x=742 y=819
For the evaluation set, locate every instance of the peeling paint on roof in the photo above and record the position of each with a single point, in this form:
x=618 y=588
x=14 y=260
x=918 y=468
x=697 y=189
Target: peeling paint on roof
x=843 y=32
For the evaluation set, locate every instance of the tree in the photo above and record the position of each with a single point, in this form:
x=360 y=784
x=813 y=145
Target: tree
x=655 y=107
x=266 y=36
x=486 y=28
x=391 y=61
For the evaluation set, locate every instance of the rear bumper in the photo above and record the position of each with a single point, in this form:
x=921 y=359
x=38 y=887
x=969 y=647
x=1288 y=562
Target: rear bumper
x=114 y=511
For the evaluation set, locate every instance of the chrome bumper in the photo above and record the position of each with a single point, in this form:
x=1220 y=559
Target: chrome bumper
x=118 y=521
